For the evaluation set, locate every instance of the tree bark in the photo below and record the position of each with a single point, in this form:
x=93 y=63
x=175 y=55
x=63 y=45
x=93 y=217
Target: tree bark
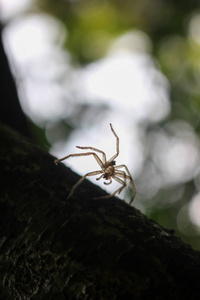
x=52 y=247
x=11 y=113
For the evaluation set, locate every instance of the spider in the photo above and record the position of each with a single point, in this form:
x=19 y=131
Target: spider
x=108 y=169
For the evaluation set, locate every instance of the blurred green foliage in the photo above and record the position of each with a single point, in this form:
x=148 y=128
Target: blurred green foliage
x=92 y=26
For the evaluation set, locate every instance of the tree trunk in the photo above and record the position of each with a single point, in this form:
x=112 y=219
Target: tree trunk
x=10 y=113
x=52 y=247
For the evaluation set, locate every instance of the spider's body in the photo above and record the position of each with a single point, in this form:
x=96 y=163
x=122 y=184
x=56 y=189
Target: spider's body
x=108 y=169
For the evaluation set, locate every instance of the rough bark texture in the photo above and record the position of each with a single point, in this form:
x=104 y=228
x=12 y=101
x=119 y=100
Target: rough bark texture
x=54 y=248
x=81 y=248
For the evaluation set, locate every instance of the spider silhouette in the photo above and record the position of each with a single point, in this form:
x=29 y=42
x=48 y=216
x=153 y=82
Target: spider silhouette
x=108 y=169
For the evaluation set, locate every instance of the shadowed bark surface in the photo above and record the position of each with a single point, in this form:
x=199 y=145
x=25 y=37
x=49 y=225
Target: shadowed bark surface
x=10 y=113
x=81 y=248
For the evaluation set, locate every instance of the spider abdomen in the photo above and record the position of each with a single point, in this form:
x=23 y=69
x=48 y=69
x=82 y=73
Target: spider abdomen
x=109 y=171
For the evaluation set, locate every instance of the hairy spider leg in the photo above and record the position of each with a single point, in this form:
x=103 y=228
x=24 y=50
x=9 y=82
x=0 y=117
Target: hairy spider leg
x=82 y=178
x=117 y=145
x=128 y=177
x=95 y=149
x=81 y=154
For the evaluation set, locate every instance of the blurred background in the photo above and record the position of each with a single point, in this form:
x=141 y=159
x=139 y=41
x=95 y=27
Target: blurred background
x=80 y=65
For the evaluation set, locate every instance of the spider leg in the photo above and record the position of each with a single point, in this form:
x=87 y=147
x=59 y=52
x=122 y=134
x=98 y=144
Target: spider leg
x=123 y=166
x=120 y=181
x=117 y=191
x=99 y=161
x=128 y=177
x=100 y=176
x=80 y=180
x=95 y=149
x=120 y=173
x=117 y=144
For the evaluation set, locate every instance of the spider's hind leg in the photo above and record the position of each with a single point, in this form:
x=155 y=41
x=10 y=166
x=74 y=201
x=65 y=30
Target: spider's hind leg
x=117 y=191
x=80 y=180
x=129 y=177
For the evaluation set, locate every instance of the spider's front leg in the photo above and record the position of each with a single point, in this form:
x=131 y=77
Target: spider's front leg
x=95 y=149
x=99 y=161
x=117 y=144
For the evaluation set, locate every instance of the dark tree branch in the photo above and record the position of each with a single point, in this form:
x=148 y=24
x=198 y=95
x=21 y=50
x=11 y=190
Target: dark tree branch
x=11 y=113
x=81 y=248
